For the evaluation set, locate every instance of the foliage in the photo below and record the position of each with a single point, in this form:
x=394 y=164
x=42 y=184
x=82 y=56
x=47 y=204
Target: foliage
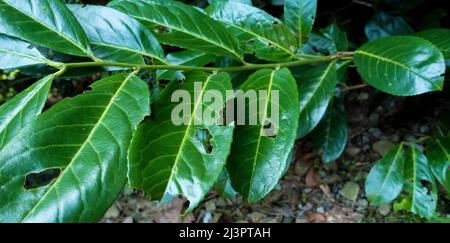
x=69 y=163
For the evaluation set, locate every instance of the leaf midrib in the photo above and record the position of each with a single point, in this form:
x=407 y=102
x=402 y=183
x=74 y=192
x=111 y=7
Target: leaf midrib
x=173 y=171
x=397 y=154
x=81 y=48
x=264 y=38
x=152 y=20
x=30 y=97
x=400 y=65
x=130 y=50
x=258 y=145
x=41 y=58
x=322 y=79
x=85 y=143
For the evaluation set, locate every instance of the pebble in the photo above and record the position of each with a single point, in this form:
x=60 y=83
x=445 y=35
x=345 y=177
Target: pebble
x=113 y=212
x=376 y=132
x=363 y=96
x=352 y=151
x=320 y=210
x=382 y=147
x=350 y=191
x=128 y=220
x=384 y=209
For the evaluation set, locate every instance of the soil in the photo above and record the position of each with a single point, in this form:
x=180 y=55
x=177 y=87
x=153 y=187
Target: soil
x=311 y=191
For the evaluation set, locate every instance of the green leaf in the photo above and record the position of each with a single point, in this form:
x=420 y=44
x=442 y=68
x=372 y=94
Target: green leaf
x=421 y=200
x=260 y=33
x=257 y=160
x=186 y=58
x=439 y=159
x=108 y=27
x=440 y=38
x=167 y=159
x=44 y=22
x=113 y=54
x=316 y=85
x=186 y=26
x=300 y=15
x=385 y=181
x=401 y=65
x=223 y=185
x=16 y=113
x=83 y=142
x=329 y=40
x=384 y=25
x=15 y=53
x=332 y=132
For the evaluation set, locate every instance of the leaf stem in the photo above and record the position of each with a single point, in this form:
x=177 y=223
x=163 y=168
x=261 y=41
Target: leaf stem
x=312 y=60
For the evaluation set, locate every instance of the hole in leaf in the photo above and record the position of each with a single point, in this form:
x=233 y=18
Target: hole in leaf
x=161 y=30
x=269 y=129
x=251 y=42
x=36 y=180
x=427 y=185
x=163 y=83
x=204 y=137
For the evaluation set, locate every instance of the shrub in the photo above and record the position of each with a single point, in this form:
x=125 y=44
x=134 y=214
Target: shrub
x=70 y=163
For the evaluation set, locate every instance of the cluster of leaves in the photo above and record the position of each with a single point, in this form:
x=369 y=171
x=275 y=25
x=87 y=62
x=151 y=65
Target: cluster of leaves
x=69 y=163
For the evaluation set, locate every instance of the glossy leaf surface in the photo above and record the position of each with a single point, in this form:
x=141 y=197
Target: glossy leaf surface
x=23 y=108
x=47 y=23
x=168 y=160
x=316 y=85
x=401 y=65
x=441 y=39
x=108 y=27
x=184 y=25
x=299 y=15
x=258 y=160
x=421 y=200
x=332 y=132
x=86 y=139
x=15 y=53
x=439 y=159
x=260 y=33
x=186 y=58
x=384 y=25
x=385 y=181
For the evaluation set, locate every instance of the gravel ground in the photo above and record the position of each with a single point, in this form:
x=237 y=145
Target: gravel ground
x=311 y=192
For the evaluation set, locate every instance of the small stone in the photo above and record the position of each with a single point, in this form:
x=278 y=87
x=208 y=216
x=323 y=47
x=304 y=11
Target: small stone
x=113 y=212
x=256 y=217
x=221 y=202
x=352 y=151
x=363 y=203
x=128 y=220
x=320 y=210
x=301 y=220
x=210 y=206
x=207 y=218
x=316 y=218
x=384 y=209
x=350 y=191
x=376 y=132
x=363 y=96
x=382 y=147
